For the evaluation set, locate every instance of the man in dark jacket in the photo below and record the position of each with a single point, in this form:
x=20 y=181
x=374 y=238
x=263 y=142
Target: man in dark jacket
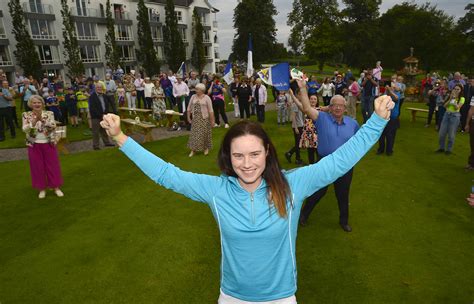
x=99 y=104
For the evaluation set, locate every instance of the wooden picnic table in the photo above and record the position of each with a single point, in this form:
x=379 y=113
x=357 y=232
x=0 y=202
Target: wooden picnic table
x=414 y=111
x=132 y=125
x=170 y=114
x=143 y=114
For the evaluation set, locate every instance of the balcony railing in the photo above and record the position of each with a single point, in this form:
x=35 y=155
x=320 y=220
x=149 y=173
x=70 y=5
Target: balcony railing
x=124 y=38
x=154 y=17
x=5 y=62
x=50 y=61
x=157 y=39
x=38 y=8
x=2 y=34
x=208 y=56
x=127 y=59
x=206 y=40
x=88 y=38
x=44 y=37
x=119 y=15
x=87 y=12
x=91 y=60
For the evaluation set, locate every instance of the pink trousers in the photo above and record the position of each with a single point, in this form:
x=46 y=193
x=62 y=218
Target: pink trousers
x=44 y=166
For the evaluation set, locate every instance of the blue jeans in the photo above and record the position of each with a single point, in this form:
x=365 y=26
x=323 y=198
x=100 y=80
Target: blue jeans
x=367 y=103
x=449 y=126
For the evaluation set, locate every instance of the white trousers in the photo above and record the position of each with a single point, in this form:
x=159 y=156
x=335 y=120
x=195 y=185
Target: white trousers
x=226 y=299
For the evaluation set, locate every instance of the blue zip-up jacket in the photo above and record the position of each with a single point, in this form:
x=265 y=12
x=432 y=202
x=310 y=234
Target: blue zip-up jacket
x=258 y=246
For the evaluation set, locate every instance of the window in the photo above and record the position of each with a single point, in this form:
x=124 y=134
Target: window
x=203 y=17
x=36 y=6
x=159 y=52
x=157 y=33
x=216 y=53
x=119 y=11
x=153 y=15
x=2 y=29
x=81 y=7
x=86 y=31
x=127 y=53
x=48 y=54
x=205 y=36
x=182 y=31
x=41 y=29
x=179 y=16
x=90 y=53
x=5 y=58
x=207 y=52
x=123 y=32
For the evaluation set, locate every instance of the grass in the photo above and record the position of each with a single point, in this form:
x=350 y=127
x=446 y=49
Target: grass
x=118 y=238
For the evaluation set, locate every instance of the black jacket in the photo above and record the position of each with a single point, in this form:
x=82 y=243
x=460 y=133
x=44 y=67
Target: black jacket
x=95 y=107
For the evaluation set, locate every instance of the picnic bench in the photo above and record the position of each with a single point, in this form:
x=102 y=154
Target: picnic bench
x=414 y=111
x=143 y=114
x=170 y=114
x=132 y=125
x=61 y=138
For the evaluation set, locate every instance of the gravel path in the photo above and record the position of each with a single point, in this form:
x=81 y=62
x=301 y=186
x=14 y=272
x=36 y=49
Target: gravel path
x=86 y=145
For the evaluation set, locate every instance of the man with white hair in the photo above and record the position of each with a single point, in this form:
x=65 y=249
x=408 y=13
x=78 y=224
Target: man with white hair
x=377 y=72
x=334 y=129
x=456 y=80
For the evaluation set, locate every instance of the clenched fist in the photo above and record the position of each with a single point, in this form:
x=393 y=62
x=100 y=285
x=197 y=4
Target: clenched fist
x=383 y=106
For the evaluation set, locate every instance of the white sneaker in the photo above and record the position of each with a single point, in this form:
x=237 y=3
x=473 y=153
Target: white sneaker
x=42 y=194
x=59 y=193
x=226 y=126
x=216 y=125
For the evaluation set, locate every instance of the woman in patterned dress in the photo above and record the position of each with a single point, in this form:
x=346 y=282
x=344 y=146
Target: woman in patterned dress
x=309 y=136
x=201 y=117
x=159 y=105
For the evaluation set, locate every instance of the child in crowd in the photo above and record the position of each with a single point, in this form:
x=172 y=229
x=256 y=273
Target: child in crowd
x=53 y=105
x=121 y=95
x=282 y=106
x=62 y=105
x=71 y=105
x=83 y=104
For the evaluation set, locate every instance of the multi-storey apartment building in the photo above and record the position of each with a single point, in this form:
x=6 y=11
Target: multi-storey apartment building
x=44 y=21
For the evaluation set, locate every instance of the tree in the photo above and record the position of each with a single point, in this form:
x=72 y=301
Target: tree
x=322 y=45
x=71 y=51
x=175 y=51
x=466 y=27
x=198 y=54
x=429 y=30
x=147 y=53
x=255 y=17
x=25 y=53
x=315 y=29
x=361 y=32
x=112 y=50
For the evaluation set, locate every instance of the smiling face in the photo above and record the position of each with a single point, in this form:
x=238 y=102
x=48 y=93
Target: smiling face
x=36 y=104
x=313 y=101
x=248 y=158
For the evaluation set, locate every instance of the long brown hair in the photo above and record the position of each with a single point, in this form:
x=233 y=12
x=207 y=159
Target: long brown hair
x=278 y=188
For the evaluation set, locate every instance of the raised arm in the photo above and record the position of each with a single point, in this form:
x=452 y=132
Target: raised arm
x=307 y=180
x=304 y=100
x=198 y=187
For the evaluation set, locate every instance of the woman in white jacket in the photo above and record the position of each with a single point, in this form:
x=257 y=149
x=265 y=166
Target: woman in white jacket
x=328 y=90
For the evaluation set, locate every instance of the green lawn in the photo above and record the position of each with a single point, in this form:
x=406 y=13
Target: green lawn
x=118 y=238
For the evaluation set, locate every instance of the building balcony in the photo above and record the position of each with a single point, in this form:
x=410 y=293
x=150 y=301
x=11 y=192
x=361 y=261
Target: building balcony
x=44 y=37
x=38 y=8
x=50 y=61
x=207 y=56
x=157 y=39
x=206 y=41
x=123 y=38
x=87 y=38
x=127 y=59
x=87 y=12
x=91 y=60
x=5 y=63
x=2 y=34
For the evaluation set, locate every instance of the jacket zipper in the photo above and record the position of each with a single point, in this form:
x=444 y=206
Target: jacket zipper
x=252 y=210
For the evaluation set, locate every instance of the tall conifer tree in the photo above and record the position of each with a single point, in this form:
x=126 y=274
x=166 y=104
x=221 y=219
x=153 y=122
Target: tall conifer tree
x=147 y=53
x=198 y=54
x=112 y=50
x=26 y=55
x=71 y=49
x=175 y=51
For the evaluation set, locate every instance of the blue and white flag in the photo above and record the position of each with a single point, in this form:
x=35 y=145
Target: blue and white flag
x=182 y=70
x=250 y=58
x=277 y=76
x=228 y=73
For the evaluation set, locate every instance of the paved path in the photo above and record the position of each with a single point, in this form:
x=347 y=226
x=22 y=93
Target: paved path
x=86 y=145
